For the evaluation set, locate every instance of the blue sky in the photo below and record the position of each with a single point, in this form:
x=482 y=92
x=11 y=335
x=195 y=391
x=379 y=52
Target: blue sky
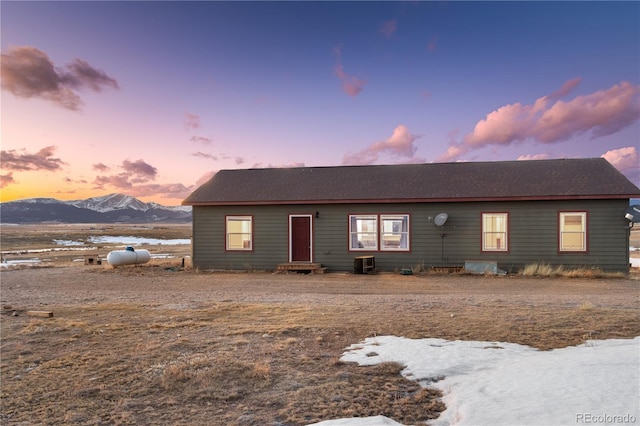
x=151 y=98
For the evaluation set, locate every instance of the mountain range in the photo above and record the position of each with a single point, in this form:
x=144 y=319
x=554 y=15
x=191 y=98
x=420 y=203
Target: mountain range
x=112 y=208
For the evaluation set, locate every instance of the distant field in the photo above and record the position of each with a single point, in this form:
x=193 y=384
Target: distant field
x=61 y=243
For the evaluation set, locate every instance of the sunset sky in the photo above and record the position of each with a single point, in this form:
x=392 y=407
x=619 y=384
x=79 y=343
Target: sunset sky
x=151 y=98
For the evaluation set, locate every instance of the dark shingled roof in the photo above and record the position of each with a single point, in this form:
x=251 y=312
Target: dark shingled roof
x=591 y=178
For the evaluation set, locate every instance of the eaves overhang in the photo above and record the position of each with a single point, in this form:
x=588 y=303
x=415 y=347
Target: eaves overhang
x=412 y=200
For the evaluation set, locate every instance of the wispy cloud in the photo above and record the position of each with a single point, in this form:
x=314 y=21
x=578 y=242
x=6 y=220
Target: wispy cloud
x=293 y=164
x=400 y=144
x=389 y=27
x=135 y=172
x=6 y=180
x=201 y=154
x=191 y=121
x=200 y=139
x=28 y=72
x=101 y=167
x=120 y=181
x=168 y=190
x=216 y=157
x=137 y=178
x=532 y=157
x=140 y=170
x=550 y=120
x=351 y=85
x=205 y=177
x=568 y=87
x=24 y=161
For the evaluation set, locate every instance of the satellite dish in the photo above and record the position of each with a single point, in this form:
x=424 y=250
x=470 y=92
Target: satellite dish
x=441 y=218
x=632 y=214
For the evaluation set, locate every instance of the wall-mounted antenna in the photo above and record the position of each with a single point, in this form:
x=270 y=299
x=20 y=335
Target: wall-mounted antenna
x=439 y=221
x=632 y=214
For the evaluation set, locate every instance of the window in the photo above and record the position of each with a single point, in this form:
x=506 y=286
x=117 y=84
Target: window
x=389 y=232
x=395 y=232
x=363 y=231
x=239 y=233
x=573 y=231
x=494 y=231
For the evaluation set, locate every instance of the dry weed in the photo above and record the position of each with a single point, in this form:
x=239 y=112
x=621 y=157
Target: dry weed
x=547 y=270
x=586 y=305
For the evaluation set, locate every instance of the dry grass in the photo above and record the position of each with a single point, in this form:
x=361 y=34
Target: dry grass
x=230 y=363
x=546 y=270
x=217 y=364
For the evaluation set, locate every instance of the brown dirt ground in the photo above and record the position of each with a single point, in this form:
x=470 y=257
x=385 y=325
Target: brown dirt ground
x=159 y=344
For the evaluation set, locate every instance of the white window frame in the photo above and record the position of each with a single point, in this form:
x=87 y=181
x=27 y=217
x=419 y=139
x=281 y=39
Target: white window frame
x=495 y=231
x=375 y=237
x=397 y=234
x=361 y=235
x=247 y=241
x=568 y=237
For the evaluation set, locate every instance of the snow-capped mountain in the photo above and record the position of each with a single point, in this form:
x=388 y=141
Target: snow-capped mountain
x=111 y=202
x=106 y=209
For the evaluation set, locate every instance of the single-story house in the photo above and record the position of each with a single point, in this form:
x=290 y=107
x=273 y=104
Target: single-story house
x=561 y=212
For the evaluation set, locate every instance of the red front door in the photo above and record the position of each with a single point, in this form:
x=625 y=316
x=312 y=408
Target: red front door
x=300 y=238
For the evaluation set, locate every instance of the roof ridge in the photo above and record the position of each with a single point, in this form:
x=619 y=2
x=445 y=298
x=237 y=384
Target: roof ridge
x=419 y=164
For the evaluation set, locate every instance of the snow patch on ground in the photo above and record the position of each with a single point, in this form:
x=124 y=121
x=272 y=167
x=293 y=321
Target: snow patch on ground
x=497 y=383
x=133 y=241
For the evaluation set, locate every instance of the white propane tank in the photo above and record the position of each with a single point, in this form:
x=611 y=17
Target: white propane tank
x=129 y=256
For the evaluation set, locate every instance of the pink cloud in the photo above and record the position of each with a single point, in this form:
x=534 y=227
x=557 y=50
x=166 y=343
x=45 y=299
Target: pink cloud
x=28 y=72
x=205 y=177
x=200 y=139
x=140 y=168
x=168 y=190
x=568 y=87
x=293 y=164
x=548 y=120
x=135 y=172
x=134 y=181
x=453 y=152
x=41 y=160
x=400 y=144
x=604 y=112
x=101 y=167
x=120 y=181
x=191 y=121
x=533 y=157
x=351 y=85
x=623 y=159
x=205 y=155
x=389 y=27
x=6 y=180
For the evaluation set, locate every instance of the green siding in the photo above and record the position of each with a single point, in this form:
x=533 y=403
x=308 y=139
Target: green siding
x=533 y=235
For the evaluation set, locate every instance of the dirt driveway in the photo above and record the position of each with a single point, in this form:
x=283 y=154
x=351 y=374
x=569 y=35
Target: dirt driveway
x=155 y=345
